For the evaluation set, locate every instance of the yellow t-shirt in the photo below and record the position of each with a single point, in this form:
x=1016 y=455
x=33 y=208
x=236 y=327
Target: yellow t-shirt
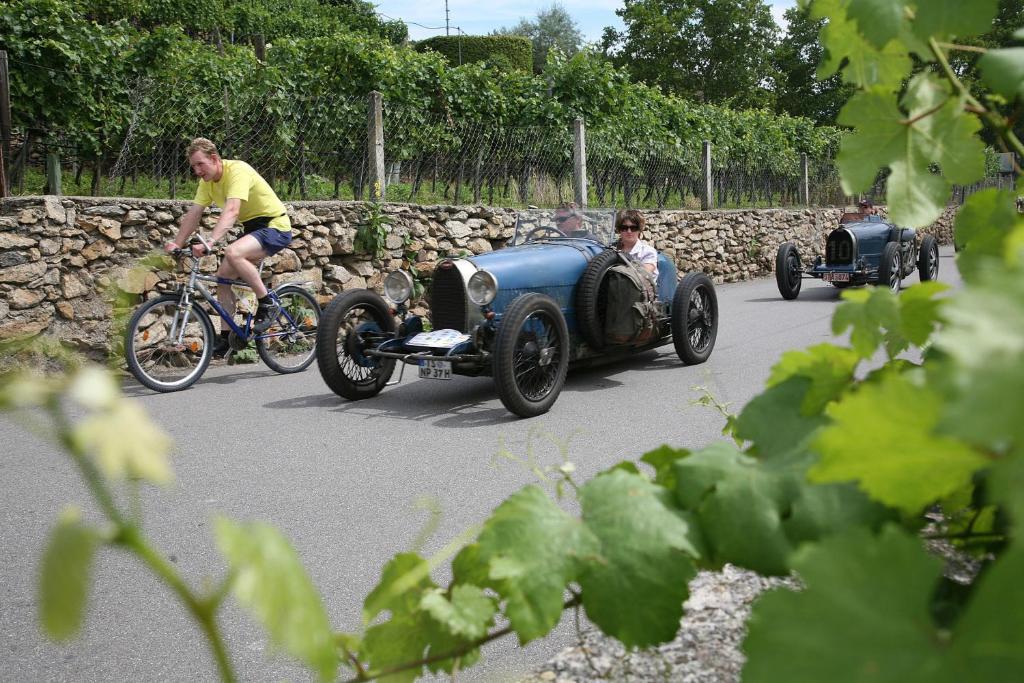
x=241 y=181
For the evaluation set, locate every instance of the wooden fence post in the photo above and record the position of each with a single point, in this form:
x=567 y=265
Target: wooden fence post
x=376 y=146
x=579 y=163
x=805 y=185
x=53 y=173
x=706 y=198
x=5 y=122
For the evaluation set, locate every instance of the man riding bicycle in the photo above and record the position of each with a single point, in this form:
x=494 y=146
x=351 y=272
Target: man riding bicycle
x=242 y=194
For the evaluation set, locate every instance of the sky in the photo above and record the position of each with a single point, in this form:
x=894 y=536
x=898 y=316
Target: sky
x=476 y=19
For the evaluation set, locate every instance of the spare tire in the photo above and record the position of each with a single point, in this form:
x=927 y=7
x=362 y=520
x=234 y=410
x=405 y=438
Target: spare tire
x=591 y=298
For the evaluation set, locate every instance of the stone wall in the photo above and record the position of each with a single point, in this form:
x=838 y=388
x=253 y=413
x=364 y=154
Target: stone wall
x=58 y=255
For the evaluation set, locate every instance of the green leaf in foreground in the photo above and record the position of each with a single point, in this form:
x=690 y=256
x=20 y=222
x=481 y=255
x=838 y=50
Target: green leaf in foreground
x=867 y=312
x=829 y=367
x=1003 y=71
x=533 y=549
x=941 y=19
x=984 y=372
x=983 y=226
x=64 y=579
x=861 y=63
x=864 y=615
x=270 y=579
x=885 y=437
x=775 y=422
x=635 y=590
x=468 y=613
x=739 y=503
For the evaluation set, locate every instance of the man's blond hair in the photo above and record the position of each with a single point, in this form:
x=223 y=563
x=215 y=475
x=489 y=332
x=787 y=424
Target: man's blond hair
x=201 y=145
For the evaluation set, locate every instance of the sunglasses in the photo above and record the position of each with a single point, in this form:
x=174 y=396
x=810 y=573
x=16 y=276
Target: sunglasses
x=627 y=226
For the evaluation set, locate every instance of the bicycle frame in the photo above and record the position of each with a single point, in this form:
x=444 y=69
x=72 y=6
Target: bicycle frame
x=195 y=284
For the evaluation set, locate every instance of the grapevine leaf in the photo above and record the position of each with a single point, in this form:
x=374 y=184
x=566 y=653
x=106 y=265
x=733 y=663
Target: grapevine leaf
x=915 y=195
x=983 y=225
x=941 y=19
x=825 y=509
x=467 y=614
x=919 y=311
x=662 y=459
x=635 y=590
x=533 y=550
x=829 y=367
x=402 y=639
x=64 y=580
x=864 y=614
x=775 y=422
x=866 y=311
x=1003 y=71
x=126 y=443
x=884 y=437
x=878 y=20
x=988 y=642
x=739 y=503
x=270 y=580
x=879 y=138
x=403 y=578
x=984 y=341
x=862 y=63
x=467 y=567
x=1007 y=483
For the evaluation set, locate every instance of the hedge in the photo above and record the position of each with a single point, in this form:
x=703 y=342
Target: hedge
x=511 y=52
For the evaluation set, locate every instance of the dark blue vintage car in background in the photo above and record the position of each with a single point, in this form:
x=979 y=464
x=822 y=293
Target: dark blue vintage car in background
x=864 y=249
x=521 y=315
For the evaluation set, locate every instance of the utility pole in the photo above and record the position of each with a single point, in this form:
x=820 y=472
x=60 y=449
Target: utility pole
x=446 y=18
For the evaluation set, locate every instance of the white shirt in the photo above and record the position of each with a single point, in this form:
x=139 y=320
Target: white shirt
x=645 y=253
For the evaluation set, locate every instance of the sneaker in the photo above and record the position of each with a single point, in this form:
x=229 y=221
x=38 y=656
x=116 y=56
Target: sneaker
x=221 y=348
x=265 y=316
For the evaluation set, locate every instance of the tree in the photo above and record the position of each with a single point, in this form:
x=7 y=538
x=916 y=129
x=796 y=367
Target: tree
x=709 y=50
x=553 y=27
x=796 y=58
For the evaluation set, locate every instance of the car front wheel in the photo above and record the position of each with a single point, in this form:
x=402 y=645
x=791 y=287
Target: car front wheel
x=695 y=318
x=889 y=267
x=928 y=259
x=531 y=355
x=354 y=322
x=788 y=272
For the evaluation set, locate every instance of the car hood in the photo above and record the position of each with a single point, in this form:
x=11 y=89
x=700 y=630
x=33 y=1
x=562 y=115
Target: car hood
x=538 y=265
x=865 y=230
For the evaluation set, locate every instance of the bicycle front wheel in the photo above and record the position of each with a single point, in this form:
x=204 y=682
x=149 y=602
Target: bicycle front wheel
x=167 y=347
x=289 y=344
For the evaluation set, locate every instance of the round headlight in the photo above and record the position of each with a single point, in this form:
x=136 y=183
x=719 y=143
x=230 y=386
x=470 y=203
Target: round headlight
x=483 y=287
x=398 y=286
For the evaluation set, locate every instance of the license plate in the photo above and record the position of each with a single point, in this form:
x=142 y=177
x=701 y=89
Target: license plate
x=438 y=339
x=836 y=277
x=436 y=369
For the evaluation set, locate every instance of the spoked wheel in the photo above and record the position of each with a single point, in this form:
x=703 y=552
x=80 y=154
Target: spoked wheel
x=788 y=272
x=695 y=318
x=928 y=260
x=531 y=355
x=889 y=267
x=354 y=322
x=289 y=345
x=167 y=347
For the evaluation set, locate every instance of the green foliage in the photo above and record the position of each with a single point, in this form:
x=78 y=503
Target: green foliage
x=64 y=583
x=705 y=50
x=269 y=578
x=553 y=28
x=512 y=53
x=371 y=236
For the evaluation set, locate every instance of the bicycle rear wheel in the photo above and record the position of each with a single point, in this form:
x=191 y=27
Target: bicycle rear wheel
x=289 y=344
x=165 y=350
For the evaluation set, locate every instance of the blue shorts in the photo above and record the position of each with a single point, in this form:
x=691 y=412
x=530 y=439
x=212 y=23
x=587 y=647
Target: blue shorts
x=271 y=239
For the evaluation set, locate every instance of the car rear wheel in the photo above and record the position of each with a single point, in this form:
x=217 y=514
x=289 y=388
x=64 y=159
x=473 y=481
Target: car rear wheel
x=889 y=267
x=531 y=355
x=788 y=273
x=354 y=322
x=928 y=259
x=695 y=318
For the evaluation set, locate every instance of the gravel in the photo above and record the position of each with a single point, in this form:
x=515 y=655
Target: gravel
x=707 y=647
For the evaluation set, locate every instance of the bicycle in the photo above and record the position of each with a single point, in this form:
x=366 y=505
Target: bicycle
x=170 y=338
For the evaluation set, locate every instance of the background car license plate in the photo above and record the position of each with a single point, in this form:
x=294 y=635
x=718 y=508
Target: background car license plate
x=436 y=369
x=836 y=277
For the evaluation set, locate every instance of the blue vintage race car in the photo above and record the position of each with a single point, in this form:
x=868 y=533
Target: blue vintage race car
x=521 y=315
x=863 y=249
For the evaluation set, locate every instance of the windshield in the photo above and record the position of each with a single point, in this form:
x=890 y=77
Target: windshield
x=555 y=224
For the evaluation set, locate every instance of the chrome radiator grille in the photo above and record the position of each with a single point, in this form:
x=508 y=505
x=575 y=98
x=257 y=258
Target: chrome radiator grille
x=839 y=248
x=448 y=299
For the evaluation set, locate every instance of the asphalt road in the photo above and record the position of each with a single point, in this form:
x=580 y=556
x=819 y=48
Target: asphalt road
x=345 y=482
